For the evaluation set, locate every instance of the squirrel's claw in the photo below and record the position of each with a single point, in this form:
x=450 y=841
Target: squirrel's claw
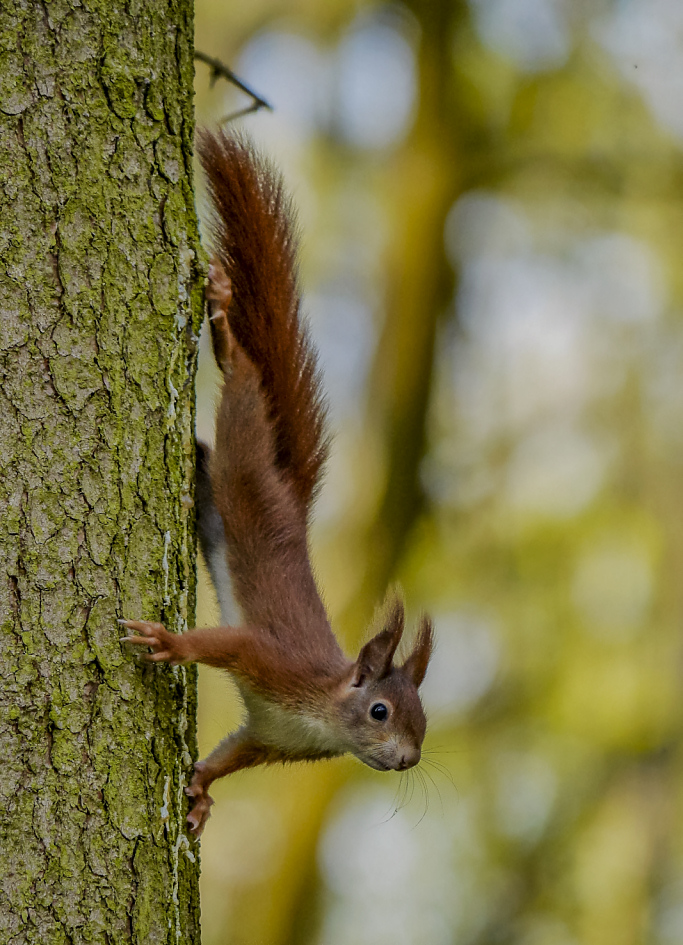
x=201 y=809
x=199 y=815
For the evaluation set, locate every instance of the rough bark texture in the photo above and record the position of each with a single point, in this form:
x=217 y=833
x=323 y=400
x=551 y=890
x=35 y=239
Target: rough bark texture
x=99 y=305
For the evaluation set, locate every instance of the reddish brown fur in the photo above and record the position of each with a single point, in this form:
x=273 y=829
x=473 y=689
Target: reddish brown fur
x=255 y=240
x=265 y=528
x=415 y=667
x=304 y=699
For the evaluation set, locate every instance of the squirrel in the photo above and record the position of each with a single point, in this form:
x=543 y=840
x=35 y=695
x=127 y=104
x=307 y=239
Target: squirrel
x=304 y=699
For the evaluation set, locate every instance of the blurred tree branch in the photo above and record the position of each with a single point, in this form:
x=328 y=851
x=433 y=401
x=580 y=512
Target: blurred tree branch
x=220 y=70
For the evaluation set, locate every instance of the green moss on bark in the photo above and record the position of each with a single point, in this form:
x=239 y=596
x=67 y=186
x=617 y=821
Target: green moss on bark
x=100 y=302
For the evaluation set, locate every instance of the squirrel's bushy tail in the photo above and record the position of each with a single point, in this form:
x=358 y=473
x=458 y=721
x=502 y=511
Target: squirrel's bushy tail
x=254 y=237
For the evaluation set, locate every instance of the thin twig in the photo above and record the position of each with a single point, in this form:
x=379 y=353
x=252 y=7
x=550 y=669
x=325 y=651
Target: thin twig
x=241 y=112
x=219 y=70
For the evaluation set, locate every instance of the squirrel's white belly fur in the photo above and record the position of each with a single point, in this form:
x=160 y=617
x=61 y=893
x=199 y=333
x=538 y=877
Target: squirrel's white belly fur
x=296 y=732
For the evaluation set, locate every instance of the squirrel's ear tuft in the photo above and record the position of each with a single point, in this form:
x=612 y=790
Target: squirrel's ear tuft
x=415 y=666
x=374 y=660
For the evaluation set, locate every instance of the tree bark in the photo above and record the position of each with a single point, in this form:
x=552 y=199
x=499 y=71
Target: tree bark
x=100 y=301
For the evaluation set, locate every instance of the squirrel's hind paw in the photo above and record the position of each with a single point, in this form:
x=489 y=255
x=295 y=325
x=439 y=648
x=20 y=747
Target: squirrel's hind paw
x=219 y=289
x=219 y=294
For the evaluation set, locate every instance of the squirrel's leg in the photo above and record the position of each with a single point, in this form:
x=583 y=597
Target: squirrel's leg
x=212 y=538
x=218 y=295
x=209 y=524
x=215 y=646
x=235 y=752
x=252 y=655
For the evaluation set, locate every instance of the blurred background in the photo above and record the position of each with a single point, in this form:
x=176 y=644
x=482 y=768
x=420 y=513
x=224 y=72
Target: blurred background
x=491 y=201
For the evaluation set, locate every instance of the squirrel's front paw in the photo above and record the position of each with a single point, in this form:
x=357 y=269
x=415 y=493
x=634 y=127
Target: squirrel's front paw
x=201 y=808
x=166 y=647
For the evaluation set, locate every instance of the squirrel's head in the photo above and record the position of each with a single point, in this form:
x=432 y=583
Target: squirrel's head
x=380 y=707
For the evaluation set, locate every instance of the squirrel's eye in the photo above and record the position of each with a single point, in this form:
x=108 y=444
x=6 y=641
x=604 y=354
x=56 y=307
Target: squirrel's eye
x=379 y=712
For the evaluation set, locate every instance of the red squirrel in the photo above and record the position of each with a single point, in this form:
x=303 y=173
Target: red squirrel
x=304 y=699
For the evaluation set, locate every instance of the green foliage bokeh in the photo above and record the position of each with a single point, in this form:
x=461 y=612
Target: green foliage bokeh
x=491 y=267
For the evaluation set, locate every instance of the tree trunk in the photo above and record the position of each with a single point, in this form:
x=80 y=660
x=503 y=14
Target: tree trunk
x=100 y=301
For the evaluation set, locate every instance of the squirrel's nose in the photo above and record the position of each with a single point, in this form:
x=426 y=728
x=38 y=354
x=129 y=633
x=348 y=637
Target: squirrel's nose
x=409 y=758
